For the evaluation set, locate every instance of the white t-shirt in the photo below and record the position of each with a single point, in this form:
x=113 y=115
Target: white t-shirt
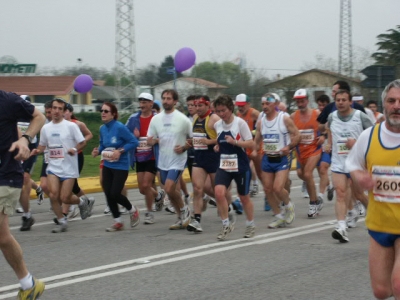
x=172 y=130
x=356 y=159
x=370 y=114
x=58 y=138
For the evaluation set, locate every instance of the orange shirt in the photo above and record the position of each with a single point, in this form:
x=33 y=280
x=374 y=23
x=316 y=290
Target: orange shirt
x=309 y=136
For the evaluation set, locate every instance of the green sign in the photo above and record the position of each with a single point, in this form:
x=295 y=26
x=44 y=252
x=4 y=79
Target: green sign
x=20 y=68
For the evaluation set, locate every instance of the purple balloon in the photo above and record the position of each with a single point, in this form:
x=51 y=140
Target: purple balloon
x=184 y=59
x=83 y=83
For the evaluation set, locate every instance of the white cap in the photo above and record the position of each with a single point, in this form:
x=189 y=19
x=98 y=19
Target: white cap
x=146 y=96
x=301 y=93
x=242 y=99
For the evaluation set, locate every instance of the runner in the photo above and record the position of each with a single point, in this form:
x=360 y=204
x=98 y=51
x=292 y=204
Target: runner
x=233 y=137
x=308 y=151
x=374 y=165
x=279 y=136
x=171 y=129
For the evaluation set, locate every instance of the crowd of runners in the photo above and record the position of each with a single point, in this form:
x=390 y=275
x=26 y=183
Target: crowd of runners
x=246 y=153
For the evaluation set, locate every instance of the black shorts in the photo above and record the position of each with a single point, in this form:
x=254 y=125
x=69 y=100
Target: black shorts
x=146 y=166
x=28 y=164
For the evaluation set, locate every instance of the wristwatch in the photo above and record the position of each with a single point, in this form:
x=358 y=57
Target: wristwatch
x=29 y=138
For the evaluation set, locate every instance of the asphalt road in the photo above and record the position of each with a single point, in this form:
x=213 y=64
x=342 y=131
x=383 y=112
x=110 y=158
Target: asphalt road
x=301 y=261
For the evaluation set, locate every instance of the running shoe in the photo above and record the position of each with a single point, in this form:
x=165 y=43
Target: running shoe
x=312 y=211
x=290 y=214
x=250 y=232
x=27 y=223
x=40 y=195
x=185 y=217
x=177 y=225
x=148 y=218
x=277 y=223
x=84 y=208
x=115 y=227
x=254 y=190
x=330 y=191
x=19 y=210
x=160 y=202
x=73 y=212
x=237 y=206
x=352 y=218
x=60 y=228
x=107 y=210
x=361 y=208
x=224 y=232
x=194 y=226
x=212 y=202
x=122 y=210
x=170 y=209
x=135 y=217
x=320 y=203
x=91 y=201
x=340 y=235
x=34 y=292
x=304 y=190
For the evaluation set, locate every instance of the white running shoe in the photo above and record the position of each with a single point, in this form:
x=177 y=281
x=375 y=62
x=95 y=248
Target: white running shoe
x=340 y=235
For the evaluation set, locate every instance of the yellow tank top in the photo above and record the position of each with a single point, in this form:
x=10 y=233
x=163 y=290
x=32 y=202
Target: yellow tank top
x=383 y=213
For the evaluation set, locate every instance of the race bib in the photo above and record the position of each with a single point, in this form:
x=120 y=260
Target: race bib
x=143 y=147
x=229 y=162
x=107 y=154
x=197 y=144
x=307 y=136
x=387 y=183
x=271 y=146
x=56 y=152
x=342 y=148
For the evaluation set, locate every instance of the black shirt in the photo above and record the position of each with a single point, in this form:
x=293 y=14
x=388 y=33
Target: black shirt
x=12 y=109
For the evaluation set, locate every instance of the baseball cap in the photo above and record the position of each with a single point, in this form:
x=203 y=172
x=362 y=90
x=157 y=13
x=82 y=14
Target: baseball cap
x=301 y=93
x=146 y=96
x=242 y=99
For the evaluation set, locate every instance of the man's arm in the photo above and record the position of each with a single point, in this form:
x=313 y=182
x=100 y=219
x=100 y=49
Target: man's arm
x=22 y=143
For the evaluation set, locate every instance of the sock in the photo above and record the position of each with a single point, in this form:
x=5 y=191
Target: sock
x=133 y=209
x=27 y=215
x=62 y=220
x=225 y=222
x=279 y=216
x=230 y=207
x=158 y=196
x=26 y=282
x=250 y=223
x=65 y=215
x=313 y=202
x=321 y=195
x=342 y=224
x=254 y=182
x=117 y=220
x=197 y=217
x=289 y=205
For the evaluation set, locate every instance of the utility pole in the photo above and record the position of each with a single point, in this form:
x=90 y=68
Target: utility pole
x=125 y=51
x=345 y=39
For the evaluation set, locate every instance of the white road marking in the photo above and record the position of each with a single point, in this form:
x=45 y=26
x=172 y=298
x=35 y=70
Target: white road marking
x=167 y=257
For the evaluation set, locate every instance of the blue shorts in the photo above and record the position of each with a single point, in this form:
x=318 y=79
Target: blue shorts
x=325 y=157
x=274 y=165
x=59 y=178
x=347 y=174
x=170 y=174
x=384 y=239
x=242 y=180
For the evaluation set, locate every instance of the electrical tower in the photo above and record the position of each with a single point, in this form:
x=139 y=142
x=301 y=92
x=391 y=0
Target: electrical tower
x=345 y=39
x=125 y=52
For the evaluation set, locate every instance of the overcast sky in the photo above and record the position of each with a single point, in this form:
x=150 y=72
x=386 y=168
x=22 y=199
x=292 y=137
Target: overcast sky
x=271 y=34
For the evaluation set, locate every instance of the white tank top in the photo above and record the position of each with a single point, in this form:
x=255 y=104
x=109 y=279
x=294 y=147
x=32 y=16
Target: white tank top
x=275 y=134
x=341 y=132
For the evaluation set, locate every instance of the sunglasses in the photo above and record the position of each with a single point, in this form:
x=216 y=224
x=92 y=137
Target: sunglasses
x=105 y=111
